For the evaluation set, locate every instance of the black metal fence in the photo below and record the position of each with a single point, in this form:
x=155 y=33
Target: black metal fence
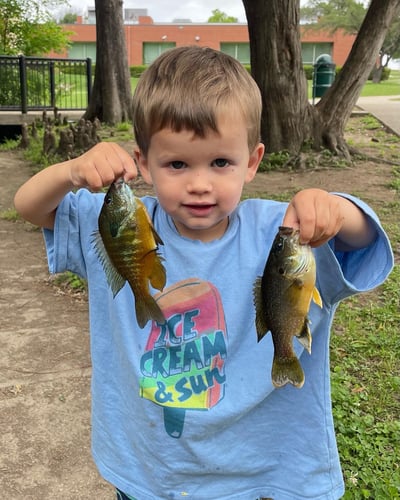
x=36 y=83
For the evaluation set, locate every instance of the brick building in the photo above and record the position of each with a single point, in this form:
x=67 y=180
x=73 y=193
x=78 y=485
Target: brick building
x=146 y=39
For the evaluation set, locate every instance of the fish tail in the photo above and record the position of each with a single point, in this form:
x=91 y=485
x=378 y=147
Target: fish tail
x=287 y=370
x=148 y=309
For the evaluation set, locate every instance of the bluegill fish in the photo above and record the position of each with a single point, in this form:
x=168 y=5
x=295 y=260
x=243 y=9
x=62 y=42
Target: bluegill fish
x=282 y=297
x=127 y=244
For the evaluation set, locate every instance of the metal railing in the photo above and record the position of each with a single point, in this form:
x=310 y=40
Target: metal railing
x=37 y=83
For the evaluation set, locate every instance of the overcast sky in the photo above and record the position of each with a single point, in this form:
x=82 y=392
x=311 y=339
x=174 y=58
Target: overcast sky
x=167 y=10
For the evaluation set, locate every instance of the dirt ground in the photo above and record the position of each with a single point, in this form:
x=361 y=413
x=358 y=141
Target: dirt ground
x=44 y=342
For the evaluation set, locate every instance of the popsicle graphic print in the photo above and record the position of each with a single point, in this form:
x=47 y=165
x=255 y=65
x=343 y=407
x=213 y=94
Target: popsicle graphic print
x=183 y=363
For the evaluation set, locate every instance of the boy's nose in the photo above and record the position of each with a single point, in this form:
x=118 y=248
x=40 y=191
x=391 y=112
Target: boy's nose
x=199 y=183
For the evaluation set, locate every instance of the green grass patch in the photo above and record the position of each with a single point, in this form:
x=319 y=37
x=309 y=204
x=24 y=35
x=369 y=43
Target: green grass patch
x=369 y=122
x=395 y=183
x=71 y=282
x=134 y=82
x=384 y=88
x=9 y=145
x=10 y=214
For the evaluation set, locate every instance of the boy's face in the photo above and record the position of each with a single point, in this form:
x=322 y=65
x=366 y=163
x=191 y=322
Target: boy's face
x=199 y=181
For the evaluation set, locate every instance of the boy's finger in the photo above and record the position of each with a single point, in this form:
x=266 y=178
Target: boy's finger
x=290 y=218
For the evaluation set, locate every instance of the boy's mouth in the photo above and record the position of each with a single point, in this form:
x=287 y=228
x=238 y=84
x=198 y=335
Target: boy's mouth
x=199 y=209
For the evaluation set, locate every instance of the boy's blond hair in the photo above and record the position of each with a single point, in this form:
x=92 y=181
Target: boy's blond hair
x=184 y=88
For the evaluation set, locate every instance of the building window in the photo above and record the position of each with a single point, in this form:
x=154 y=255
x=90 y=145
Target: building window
x=240 y=51
x=81 y=50
x=310 y=51
x=151 y=50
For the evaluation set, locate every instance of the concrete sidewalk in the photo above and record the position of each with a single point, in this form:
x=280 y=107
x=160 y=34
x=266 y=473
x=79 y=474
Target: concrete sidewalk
x=385 y=108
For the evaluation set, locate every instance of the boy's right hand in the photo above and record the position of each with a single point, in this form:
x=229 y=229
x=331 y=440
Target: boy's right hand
x=101 y=165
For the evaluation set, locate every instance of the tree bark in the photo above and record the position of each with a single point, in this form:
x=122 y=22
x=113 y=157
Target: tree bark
x=288 y=119
x=275 y=52
x=111 y=99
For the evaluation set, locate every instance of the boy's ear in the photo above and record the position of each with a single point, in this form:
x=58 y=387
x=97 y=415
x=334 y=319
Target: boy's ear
x=142 y=165
x=254 y=161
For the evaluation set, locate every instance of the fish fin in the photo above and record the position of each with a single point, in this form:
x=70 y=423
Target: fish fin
x=157 y=237
x=158 y=275
x=304 y=336
x=298 y=282
x=287 y=370
x=260 y=321
x=317 y=297
x=146 y=309
x=114 y=279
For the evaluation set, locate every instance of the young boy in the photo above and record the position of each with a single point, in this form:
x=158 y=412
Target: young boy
x=187 y=408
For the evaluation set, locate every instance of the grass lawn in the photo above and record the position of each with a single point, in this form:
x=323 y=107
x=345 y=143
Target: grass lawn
x=386 y=87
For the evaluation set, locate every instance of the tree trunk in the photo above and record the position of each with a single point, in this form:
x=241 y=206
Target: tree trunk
x=377 y=74
x=275 y=52
x=288 y=119
x=111 y=99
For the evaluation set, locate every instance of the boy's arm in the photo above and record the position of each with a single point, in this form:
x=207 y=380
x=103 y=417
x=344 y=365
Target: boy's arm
x=37 y=200
x=322 y=216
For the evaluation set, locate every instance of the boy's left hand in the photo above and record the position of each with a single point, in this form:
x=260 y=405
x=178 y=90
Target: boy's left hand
x=317 y=213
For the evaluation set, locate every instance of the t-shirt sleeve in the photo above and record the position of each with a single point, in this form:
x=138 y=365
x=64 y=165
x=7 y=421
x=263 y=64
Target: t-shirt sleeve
x=74 y=229
x=359 y=270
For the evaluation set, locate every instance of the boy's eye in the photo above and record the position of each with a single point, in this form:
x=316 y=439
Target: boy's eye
x=220 y=162
x=177 y=165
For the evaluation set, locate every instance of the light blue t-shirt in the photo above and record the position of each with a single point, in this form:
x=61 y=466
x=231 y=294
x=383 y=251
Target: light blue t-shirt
x=187 y=409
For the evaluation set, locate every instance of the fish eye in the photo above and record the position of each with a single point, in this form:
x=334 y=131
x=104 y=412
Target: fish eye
x=108 y=199
x=281 y=270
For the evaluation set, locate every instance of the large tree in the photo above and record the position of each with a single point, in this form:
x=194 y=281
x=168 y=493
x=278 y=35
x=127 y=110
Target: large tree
x=111 y=98
x=289 y=120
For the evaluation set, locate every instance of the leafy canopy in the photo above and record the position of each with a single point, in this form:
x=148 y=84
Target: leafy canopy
x=68 y=18
x=333 y=15
x=220 y=17
x=27 y=27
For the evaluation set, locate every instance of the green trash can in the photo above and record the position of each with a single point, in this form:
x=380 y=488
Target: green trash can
x=323 y=75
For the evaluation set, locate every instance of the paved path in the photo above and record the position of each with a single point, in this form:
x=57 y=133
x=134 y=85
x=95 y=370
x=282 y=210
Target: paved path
x=385 y=109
